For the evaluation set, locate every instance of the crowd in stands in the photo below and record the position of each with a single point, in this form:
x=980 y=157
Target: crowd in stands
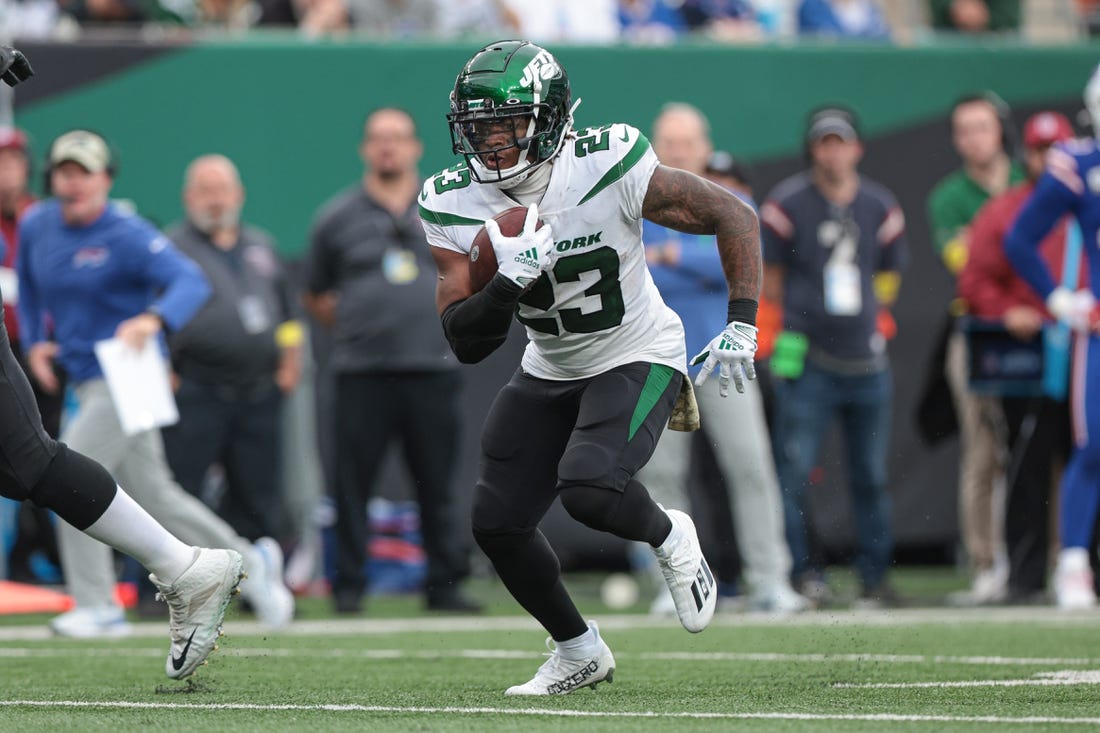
x=647 y=22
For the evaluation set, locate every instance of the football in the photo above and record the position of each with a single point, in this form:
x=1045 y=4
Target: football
x=483 y=259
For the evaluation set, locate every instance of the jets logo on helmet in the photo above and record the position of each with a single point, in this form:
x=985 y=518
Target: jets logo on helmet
x=543 y=67
x=511 y=95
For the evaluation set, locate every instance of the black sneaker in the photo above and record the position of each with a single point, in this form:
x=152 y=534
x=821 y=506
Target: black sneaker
x=347 y=602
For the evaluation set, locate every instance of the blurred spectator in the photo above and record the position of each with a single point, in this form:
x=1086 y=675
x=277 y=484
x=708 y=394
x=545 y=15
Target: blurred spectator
x=312 y=17
x=29 y=19
x=102 y=273
x=843 y=19
x=730 y=21
x=372 y=280
x=834 y=248
x=393 y=18
x=235 y=359
x=581 y=21
x=1038 y=426
x=982 y=135
x=481 y=18
x=35 y=530
x=688 y=272
x=975 y=16
x=650 y=22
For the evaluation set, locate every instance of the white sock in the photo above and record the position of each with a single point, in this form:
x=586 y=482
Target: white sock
x=129 y=528
x=580 y=647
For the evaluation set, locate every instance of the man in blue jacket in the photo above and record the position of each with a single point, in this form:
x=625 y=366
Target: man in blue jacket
x=100 y=272
x=197 y=583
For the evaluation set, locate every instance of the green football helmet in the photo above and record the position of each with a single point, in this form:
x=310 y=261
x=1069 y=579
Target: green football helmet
x=503 y=81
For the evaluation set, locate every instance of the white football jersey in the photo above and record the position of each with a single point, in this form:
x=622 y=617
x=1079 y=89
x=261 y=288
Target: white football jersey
x=596 y=307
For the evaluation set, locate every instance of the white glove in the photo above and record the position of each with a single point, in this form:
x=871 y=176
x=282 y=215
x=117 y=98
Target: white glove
x=733 y=351
x=522 y=258
x=1075 y=308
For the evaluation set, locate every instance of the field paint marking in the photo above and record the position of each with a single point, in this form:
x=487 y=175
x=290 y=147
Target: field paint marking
x=882 y=717
x=32 y=652
x=1042 y=679
x=1033 y=615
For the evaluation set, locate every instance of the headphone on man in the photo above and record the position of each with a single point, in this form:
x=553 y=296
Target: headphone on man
x=1009 y=136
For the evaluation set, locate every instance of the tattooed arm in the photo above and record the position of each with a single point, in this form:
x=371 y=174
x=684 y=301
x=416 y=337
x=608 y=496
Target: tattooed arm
x=685 y=202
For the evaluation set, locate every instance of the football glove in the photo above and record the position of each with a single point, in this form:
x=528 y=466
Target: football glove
x=522 y=258
x=732 y=351
x=1075 y=308
x=14 y=66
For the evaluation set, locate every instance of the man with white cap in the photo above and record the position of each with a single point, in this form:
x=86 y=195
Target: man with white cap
x=93 y=268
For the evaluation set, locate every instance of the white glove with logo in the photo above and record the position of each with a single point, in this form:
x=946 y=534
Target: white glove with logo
x=1075 y=308
x=733 y=352
x=522 y=258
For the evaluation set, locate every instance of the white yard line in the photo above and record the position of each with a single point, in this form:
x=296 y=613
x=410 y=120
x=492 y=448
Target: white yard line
x=111 y=650
x=1032 y=615
x=1042 y=679
x=886 y=718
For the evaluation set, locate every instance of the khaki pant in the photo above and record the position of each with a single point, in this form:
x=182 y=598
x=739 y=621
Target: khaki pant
x=736 y=427
x=981 y=462
x=138 y=463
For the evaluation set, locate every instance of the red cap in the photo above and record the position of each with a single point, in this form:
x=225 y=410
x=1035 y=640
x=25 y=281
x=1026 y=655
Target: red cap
x=13 y=137
x=1046 y=128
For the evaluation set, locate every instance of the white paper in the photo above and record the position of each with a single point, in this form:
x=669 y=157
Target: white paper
x=139 y=386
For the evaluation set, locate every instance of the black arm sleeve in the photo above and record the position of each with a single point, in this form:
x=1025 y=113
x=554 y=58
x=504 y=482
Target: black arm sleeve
x=476 y=326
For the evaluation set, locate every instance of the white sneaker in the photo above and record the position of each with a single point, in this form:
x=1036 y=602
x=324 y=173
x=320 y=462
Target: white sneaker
x=779 y=598
x=1073 y=585
x=196 y=607
x=92 y=622
x=264 y=589
x=560 y=676
x=686 y=571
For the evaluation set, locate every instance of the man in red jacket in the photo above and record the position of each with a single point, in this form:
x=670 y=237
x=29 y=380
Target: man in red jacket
x=1038 y=427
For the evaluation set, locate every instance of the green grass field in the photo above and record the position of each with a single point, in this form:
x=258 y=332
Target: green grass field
x=920 y=668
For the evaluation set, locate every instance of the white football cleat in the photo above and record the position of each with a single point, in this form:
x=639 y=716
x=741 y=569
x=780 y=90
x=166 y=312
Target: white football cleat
x=197 y=603
x=264 y=588
x=560 y=676
x=92 y=622
x=1073 y=585
x=689 y=579
x=196 y=607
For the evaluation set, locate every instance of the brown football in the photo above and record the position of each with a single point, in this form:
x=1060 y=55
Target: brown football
x=483 y=258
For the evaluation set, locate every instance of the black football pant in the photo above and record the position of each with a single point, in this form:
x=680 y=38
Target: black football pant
x=581 y=440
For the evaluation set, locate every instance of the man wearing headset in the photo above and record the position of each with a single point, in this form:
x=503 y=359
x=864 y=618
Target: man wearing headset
x=197 y=583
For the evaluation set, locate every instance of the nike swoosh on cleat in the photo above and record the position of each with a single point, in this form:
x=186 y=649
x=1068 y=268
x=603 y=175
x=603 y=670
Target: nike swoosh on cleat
x=177 y=662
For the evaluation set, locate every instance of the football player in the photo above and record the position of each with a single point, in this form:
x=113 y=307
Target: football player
x=197 y=583
x=606 y=357
x=1071 y=185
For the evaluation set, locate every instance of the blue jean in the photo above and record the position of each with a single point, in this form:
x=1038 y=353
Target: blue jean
x=804 y=410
